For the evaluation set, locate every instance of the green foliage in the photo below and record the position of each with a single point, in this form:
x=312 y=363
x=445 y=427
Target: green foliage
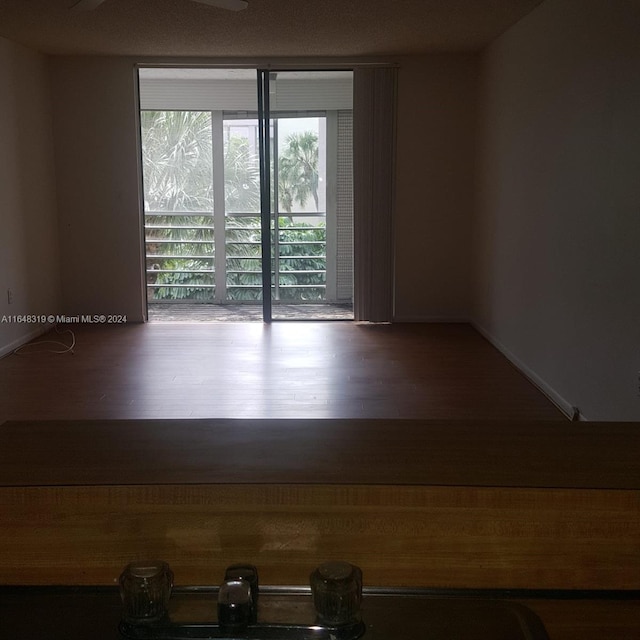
x=302 y=252
x=244 y=259
x=177 y=166
x=193 y=292
x=301 y=249
x=177 y=162
x=241 y=177
x=298 y=170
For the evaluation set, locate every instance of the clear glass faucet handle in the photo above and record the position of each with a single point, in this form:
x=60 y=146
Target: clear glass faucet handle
x=145 y=589
x=337 y=592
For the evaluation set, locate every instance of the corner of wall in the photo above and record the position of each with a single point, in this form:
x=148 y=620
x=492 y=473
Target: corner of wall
x=557 y=234
x=29 y=252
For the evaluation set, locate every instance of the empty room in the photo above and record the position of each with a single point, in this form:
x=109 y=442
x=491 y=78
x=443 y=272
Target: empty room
x=291 y=283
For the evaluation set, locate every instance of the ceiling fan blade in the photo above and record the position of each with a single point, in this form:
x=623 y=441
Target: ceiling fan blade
x=232 y=5
x=86 y=5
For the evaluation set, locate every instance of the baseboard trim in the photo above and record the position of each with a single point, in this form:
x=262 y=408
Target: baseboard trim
x=566 y=407
x=7 y=349
x=432 y=319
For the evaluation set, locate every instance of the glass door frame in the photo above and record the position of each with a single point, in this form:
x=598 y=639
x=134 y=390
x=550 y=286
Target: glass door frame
x=267 y=198
x=266 y=150
x=264 y=134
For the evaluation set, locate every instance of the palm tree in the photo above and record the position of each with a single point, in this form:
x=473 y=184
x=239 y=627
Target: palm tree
x=178 y=164
x=298 y=170
x=241 y=176
x=177 y=160
x=177 y=169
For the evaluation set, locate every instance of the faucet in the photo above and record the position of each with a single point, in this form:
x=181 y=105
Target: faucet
x=238 y=597
x=145 y=589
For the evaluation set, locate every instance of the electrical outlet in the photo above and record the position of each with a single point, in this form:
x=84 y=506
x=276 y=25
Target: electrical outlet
x=9 y=296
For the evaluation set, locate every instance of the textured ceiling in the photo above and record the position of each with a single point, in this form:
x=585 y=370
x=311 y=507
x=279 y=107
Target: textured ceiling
x=269 y=28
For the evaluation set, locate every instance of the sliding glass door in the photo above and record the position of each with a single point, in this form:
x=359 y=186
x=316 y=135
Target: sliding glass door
x=308 y=115
x=248 y=195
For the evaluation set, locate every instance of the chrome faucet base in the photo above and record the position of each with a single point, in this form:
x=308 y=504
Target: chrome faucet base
x=146 y=587
x=180 y=631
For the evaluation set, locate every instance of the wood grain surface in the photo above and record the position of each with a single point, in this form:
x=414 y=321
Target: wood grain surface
x=403 y=536
x=489 y=487
x=283 y=370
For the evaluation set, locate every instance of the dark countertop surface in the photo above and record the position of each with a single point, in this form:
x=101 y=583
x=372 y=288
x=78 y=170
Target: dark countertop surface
x=392 y=452
x=68 y=613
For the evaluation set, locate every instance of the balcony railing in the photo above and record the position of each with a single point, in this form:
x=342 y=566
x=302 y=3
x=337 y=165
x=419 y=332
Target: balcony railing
x=187 y=262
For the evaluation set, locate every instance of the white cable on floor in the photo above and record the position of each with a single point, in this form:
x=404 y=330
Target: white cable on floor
x=24 y=349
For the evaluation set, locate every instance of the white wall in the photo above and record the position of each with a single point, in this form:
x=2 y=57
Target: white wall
x=28 y=230
x=96 y=160
x=434 y=186
x=558 y=227
x=98 y=187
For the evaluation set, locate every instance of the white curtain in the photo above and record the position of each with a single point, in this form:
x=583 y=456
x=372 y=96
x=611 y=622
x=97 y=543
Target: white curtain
x=373 y=180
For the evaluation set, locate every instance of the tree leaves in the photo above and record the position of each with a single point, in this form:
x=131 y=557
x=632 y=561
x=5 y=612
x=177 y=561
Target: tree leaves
x=178 y=179
x=298 y=170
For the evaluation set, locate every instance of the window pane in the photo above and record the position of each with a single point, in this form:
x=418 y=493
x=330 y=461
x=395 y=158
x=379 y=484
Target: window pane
x=178 y=207
x=302 y=165
x=177 y=160
x=241 y=166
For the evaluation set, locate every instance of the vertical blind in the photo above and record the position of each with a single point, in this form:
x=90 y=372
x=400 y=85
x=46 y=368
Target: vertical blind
x=374 y=150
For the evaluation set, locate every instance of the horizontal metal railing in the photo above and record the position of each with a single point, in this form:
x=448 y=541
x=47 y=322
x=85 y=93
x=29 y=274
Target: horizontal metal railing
x=185 y=268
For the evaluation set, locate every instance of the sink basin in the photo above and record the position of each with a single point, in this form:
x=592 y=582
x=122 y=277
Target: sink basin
x=93 y=613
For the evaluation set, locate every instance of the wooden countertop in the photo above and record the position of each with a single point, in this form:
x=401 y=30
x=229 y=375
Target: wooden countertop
x=390 y=452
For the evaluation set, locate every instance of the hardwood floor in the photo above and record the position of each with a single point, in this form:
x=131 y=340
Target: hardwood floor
x=282 y=370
